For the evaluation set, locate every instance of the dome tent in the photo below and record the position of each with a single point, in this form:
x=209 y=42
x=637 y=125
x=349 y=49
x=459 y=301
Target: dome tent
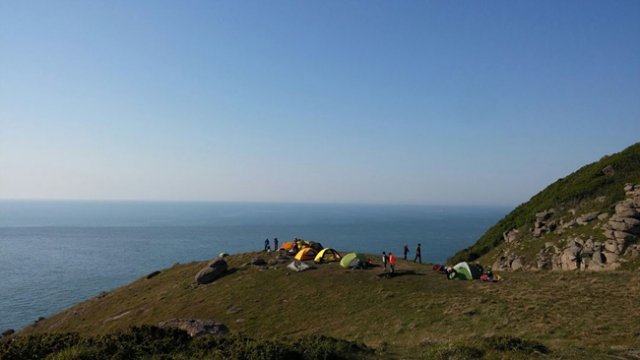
x=465 y=271
x=327 y=255
x=351 y=259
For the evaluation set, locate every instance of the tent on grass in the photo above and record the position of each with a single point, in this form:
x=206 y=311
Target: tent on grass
x=287 y=246
x=302 y=244
x=465 y=271
x=306 y=254
x=315 y=245
x=327 y=255
x=351 y=260
x=298 y=266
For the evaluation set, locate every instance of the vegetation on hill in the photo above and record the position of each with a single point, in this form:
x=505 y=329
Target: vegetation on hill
x=418 y=314
x=575 y=191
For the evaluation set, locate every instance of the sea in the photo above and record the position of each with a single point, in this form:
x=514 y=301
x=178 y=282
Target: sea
x=54 y=254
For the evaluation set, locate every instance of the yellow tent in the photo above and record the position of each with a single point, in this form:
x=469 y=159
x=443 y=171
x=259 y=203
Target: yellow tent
x=306 y=254
x=327 y=255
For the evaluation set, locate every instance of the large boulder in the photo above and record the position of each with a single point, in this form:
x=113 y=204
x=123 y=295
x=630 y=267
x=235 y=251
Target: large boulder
x=258 y=262
x=611 y=246
x=196 y=327
x=214 y=270
x=517 y=264
x=587 y=218
x=510 y=236
x=627 y=208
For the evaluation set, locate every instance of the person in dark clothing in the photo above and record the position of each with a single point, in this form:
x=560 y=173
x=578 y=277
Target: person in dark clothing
x=418 y=257
x=406 y=251
x=275 y=244
x=266 y=244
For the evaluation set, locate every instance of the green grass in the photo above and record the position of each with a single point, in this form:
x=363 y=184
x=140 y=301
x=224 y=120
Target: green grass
x=416 y=313
x=577 y=191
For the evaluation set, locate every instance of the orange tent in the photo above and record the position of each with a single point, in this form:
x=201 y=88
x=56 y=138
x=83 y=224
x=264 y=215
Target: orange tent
x=286 y=246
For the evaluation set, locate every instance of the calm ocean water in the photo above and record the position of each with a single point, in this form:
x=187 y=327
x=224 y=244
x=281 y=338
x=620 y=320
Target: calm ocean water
x=54 y=254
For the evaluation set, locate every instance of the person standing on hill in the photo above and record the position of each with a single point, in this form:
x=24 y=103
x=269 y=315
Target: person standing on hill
x=392 y=262
x=385 y=259
x=266 y=244
x=275 y=244
x=418 y=254
x=406 y=251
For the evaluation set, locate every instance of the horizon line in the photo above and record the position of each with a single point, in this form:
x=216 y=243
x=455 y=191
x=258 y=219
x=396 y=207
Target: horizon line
x=257 y=202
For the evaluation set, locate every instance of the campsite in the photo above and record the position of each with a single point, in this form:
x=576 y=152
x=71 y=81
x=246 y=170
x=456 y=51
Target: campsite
x=415 y=313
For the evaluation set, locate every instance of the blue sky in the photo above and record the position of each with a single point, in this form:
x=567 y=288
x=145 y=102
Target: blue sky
x=423 y=102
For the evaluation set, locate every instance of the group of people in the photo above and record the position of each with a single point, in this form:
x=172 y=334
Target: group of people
x=267 y=246
x=418 y=257
x=390 y=259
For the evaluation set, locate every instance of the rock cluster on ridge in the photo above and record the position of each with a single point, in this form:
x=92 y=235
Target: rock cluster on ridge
x=620 y=243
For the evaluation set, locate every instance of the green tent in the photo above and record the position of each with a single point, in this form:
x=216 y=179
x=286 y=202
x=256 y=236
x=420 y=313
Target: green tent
x=350 y=259
x=465 y=271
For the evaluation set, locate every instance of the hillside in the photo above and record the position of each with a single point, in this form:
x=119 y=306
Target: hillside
x=589 y=219
x=417 y=314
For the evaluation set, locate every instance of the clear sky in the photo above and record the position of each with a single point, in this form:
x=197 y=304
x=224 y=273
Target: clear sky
x=426 y=102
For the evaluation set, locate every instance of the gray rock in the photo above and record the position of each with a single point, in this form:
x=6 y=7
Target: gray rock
x=258 y=262
x=510 y=236
x=587 y=218
x=569 y=224
x=610 y=258
x=517 y=264
x=625 y=237
x=213 y=271
x=611 y=246
x=618 y=225
x=570 y=258
x=598 y=258
x=196 y=327
x=631 y=221
x=626 y=208
x=153 y=274
x=544 y=215
x=603 y=216
x=215 y=262
x=608 y=170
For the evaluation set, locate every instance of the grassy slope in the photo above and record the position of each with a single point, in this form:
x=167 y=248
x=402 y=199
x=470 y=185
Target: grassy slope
x=562 y=310
x=586 y=183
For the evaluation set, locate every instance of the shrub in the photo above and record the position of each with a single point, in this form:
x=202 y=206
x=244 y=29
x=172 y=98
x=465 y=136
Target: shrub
x=509 y=343
x=452 y=352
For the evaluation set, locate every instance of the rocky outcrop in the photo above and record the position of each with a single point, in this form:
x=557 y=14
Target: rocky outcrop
x=510 y=236
x=215 y=269
x=621 y=230
x=587 y=218
x=195 y=327
x=507 y=260
x=543 y=224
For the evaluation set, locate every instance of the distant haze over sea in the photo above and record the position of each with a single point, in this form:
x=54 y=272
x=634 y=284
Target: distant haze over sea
x=54 y=254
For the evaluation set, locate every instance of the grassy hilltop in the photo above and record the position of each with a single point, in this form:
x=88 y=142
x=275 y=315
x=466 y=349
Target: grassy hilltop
x=588 y=220
x=417 y=314
x=593 y=189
